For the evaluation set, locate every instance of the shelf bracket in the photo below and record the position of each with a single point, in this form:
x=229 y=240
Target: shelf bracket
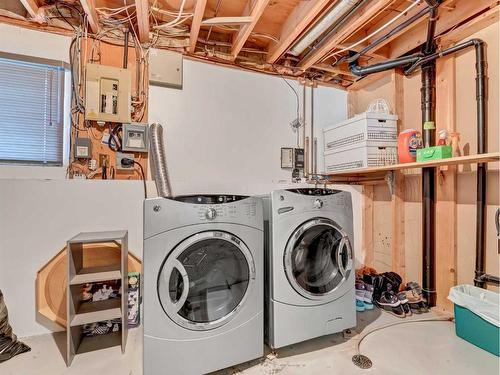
x=390 y=179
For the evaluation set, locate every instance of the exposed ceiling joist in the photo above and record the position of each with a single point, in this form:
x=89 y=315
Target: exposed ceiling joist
x=142 y=11
x=467 y=29
x=448 y=17
x=31 y=6
x=335 y=70
x=372 y=9
x=384 y=20
x=89 y=9
x=245 y=30
x=199 y=11
x=227 y=21
x=296 y=23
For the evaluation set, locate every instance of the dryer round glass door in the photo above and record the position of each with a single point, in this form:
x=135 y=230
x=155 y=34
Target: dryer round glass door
x=204 y=281
x=318 y=259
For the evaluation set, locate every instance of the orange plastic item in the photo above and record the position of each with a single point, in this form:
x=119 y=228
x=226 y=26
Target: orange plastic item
x=409 y=141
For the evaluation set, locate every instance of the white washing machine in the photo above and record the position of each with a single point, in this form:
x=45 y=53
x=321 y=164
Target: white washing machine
x=203 y=283
x=309 y=264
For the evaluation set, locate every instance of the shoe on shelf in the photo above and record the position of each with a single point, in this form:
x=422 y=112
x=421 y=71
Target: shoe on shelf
x=389 y=302
x=360 y=295
x=404 y=303
x=368 y=297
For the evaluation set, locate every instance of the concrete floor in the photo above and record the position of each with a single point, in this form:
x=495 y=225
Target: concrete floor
x=417 y=348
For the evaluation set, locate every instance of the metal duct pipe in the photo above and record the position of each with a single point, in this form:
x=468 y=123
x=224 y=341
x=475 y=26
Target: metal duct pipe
x=332 y=31
x=433 y=3
x=159 y=161
x=326 y=22
x=313 y=150
x=362 y=71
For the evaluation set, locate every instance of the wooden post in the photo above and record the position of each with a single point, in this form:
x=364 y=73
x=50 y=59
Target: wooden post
x=397 y=198
x=367 y=239
x=446 y=229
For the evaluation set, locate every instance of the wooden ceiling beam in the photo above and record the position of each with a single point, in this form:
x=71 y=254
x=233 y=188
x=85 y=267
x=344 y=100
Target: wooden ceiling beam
x=245 y=30
x=199 y=11
x=386 y=19
x=31 y=6
x=480 y=22
x=451 y=14
x=93 y=19
x=142 y=11
x=296 y=23
x=227 y=21
x=334 y=70
x=364 y=15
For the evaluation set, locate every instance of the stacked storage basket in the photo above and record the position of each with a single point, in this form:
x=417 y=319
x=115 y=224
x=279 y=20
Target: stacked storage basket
x=366 y=140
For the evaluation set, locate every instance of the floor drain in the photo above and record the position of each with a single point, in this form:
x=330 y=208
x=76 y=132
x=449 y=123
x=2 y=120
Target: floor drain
x=362 y=361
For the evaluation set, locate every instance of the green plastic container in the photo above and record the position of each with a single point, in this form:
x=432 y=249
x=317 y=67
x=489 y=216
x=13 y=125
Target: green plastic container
x=471 y=326
x=433 y=153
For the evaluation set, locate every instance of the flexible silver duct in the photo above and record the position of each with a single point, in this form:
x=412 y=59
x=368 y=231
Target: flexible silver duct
x=159 y=161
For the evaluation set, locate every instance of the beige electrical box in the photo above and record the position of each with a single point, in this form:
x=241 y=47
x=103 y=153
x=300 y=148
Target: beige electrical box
x=107 y=93
x=165 y=68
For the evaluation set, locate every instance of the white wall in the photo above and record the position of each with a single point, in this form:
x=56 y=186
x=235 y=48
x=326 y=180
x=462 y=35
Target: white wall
x=224 y=131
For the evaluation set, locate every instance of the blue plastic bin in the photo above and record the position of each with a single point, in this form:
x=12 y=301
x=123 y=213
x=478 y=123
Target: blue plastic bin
x=477 y=316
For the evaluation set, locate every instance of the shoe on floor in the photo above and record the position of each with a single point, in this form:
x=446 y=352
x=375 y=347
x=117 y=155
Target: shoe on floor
x=368 y=297
x=404 y=303
x=389 y=302
x=360 y=294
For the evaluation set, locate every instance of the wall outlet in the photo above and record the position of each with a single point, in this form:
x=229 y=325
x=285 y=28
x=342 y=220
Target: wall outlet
x=119 y=157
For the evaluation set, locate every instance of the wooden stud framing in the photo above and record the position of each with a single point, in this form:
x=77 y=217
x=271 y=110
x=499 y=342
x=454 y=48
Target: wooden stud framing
x=142 y=10
x=366 y=14
x=448 y=18
x=89 y=9
x=245 y=30
x=199 y=11
x=398 y=193
x=296 y=23
x=227 y=21
x=367 y=239
x=446 y=209
x=31 y=7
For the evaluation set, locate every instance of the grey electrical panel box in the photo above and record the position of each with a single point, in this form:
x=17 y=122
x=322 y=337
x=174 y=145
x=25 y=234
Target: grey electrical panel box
x=83 y=148
x=165 y=68
x=135 y=137
x=107 y=93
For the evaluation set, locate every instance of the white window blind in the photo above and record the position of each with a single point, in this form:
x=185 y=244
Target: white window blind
x=31 y=113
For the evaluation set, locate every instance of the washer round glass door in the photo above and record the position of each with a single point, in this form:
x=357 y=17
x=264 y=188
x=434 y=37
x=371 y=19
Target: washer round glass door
x=318 y=258
x=205 y=280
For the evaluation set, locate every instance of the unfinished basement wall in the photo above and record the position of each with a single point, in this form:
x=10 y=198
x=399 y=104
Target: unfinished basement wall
x=224 y=132
x=465 y=115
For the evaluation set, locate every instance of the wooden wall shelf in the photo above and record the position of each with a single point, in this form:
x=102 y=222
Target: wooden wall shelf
x=80 y=272
x=378 y=173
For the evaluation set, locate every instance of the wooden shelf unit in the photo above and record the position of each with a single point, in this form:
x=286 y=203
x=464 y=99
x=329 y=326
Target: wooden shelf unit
x=370 y=174
x=79 y=273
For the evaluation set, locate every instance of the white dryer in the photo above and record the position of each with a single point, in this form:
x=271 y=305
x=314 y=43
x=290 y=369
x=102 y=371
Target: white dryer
x=203 y=283
x=309 y=264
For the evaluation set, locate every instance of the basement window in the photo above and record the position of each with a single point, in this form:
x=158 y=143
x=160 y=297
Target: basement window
x=31 y=110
